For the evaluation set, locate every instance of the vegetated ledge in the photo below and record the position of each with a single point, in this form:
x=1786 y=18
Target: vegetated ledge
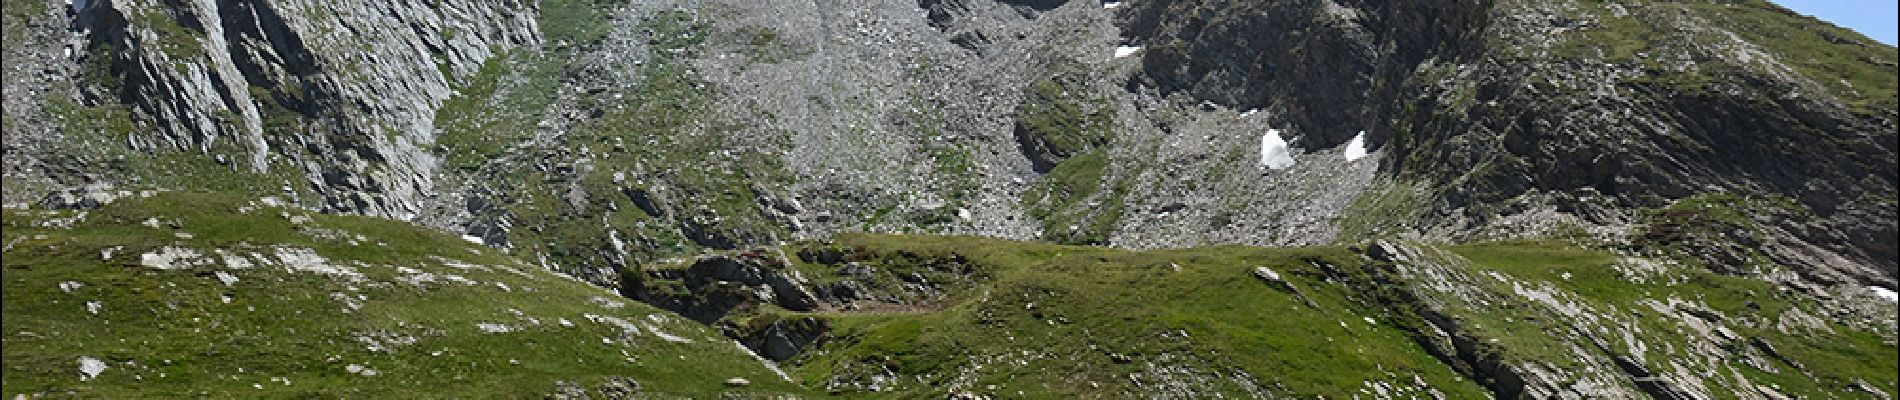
x=927 y=316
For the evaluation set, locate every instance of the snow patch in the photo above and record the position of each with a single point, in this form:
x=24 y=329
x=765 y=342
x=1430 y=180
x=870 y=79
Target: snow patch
x=1885 y=293
x=475 y=240
x=1110 y=5
x=1124 y=51
x=1356 y=149
x=70 y=286
x=1274 y=152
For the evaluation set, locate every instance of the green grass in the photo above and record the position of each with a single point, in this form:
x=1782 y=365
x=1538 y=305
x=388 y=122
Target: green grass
x=1698 y=227
x=16 y=18
x=1614 y=39
x=176 y=41
x=952 y=166
x=1383 y=210
x=1846 y=63
x=1078 y=202
x=101 y=132
x=470 y=138
x=170 y=333
x=1066 y=121
x=1851 y=65
x=1041 y=320
x=1832 y=361
x=1080 y=309
x=577 y=22
x=661 y=136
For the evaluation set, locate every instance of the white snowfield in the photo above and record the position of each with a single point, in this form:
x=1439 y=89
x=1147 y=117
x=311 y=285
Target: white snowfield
x=1274 y=152
x=1885 y=293
x=1356 y=149
x=1124 y=51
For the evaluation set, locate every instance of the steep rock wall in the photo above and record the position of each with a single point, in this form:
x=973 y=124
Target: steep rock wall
x=336 y=96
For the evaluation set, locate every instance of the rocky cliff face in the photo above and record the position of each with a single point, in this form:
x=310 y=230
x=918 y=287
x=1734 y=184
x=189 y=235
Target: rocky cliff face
x=1596 y=110
x=1521 y=118
x=623 y=132
x=331 y=101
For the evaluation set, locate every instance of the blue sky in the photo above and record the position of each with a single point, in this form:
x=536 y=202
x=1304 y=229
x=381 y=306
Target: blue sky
x=1878 y=19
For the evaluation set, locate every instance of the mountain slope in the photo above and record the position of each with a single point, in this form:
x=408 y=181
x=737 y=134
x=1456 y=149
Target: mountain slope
x=1721 y=175
x=930 y=316
x=1516 y=119
x=589 y=136
x=1598 y=109
x=193 y=295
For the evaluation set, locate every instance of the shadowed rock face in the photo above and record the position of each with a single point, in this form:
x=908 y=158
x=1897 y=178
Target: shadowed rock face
x=728 y=290
x=1628 y=134
x=1330 y=65
x=1247 y=55
x=1038 y=5
x=1467 y=99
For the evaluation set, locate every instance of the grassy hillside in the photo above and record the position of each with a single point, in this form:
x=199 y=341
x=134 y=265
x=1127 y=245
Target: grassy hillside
x=1048 y=321
x=197 y=295
x=1676 y=309
x=261 y=301
x=1083 y=322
